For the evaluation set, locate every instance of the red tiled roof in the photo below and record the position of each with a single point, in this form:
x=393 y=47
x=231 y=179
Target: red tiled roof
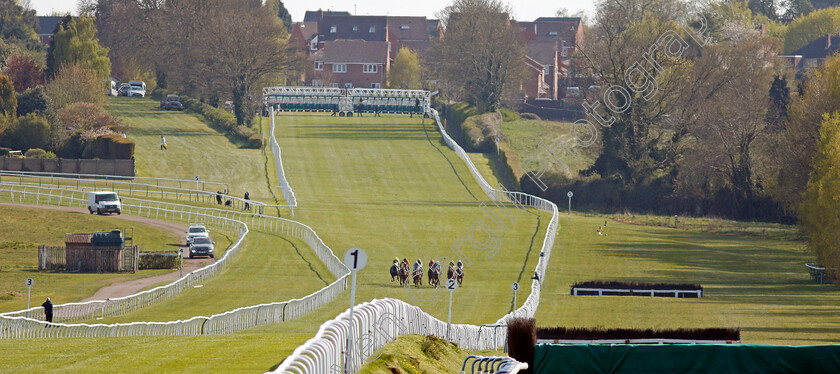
x=409 y=28
x=353 y=51
x=543 y=52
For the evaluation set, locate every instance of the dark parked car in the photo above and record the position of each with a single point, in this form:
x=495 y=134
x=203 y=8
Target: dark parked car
x=171 y=102
x=202 y=246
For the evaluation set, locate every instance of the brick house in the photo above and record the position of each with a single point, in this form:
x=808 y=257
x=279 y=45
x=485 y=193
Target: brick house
x=814 y=53
x=349 y=63
x=46 y=26
x=409 y=32
x=549 y=42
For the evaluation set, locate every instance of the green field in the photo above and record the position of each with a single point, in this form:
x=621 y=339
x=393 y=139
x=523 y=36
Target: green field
x=194 y=149
x=22 y=230
x=524 y=136
x=390 y=186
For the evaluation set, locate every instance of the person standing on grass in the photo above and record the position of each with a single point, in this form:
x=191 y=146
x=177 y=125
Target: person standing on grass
x=48 y=310
x=247 y=197
x=162 y=143
x=416 y=108
x=219 y=197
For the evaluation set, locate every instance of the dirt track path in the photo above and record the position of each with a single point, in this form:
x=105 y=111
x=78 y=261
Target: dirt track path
x=129 y=287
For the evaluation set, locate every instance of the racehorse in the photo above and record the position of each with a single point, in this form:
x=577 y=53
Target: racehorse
x=418 y=278
x=395 y=271
x=434 y=273
x=403 y=273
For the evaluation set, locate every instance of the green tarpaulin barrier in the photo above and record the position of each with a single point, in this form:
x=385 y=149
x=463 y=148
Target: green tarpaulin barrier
x=679 y=358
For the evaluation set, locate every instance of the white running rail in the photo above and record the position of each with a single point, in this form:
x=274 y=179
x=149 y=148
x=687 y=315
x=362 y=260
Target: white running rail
x=283 y=184
x=29 y=324
x=326 y=352
x=128 y=188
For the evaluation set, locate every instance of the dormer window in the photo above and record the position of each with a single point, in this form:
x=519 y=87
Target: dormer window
x=372 y=29
x=552 y=33
x=404 y=27
x=333 y=29
x=355 y=28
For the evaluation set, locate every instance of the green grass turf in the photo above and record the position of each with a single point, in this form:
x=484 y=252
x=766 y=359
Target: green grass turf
x=524 y=136
x=269 y=268
x=758 y=285
x=22 y=230
x=390 y=186
x=194 y=149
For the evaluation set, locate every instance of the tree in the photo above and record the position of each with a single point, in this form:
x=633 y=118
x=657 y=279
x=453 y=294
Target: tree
x=249 y=47
x=30 y=131
x=77 y=43
x=74 y=83
x=733 y=121
x=767 y=8
x=277 y=7
x=86 y=117
x=804 y=30
x=24 y=73
x=820 y=211
x=52 y=67
x=481 y=56
x=17 y=24
x=777 y=115
x=8 y=101
x=33 y=100
x=821 y=95
x=797 y=8
x=405 y=73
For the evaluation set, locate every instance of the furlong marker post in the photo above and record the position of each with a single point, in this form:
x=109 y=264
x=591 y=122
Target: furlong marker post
x=355 y=259
x=570 y=194
x=29 y=283
x=451 y=285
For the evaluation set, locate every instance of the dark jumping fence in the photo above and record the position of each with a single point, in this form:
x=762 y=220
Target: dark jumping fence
x=123 y=168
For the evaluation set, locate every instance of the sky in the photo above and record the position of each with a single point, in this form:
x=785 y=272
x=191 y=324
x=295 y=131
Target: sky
x=526 y=10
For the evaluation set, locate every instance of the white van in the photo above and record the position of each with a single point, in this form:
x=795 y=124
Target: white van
x=103 y=202
x=139 y=84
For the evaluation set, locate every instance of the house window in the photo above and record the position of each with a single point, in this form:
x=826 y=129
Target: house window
x=372 y=29
x=370 y=68
x=339 y=68
x=355 y=28
x=334 y=85
x=313 y=46
x=547 y=70
x=404 y=27
x=374 y=85
x=319 y=65
x=317 y=83
x=348 y=85
x=333 y=29
x=552 y=33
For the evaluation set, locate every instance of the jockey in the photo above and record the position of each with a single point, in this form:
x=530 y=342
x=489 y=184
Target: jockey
x=460 y=265
x=418 y=265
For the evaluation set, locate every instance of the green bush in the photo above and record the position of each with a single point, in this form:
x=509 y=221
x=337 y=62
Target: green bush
x=109 y=147
x=255 y=141
x=158 y=260
x=73 y=146
x=38 y=153
x=30 y=131
x=508 y=115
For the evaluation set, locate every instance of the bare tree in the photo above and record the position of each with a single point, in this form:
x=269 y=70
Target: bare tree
x=481 y=56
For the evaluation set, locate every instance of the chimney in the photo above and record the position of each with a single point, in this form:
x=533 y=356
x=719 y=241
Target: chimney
x=827 y=41
x=320 y=15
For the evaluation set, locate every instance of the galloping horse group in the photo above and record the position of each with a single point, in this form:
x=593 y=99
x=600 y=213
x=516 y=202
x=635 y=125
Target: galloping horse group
x=401 y=270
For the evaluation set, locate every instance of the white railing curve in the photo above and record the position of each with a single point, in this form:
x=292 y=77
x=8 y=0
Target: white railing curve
x=325 y=352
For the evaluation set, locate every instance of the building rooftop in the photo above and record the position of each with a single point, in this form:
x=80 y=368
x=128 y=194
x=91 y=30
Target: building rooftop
x=821 y=47
x=353 y=51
